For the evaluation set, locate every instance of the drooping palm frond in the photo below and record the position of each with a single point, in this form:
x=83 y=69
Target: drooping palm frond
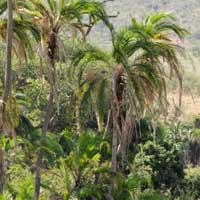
x=154 y=39
x=9 y=120
x=157 y=17
x=85 y=57
x=94 y=9
x=22 y=45
x=101 y=101
x=165 y=24
x=3 y=6
x=91 y=68
x=148 y=84
x=23 y=30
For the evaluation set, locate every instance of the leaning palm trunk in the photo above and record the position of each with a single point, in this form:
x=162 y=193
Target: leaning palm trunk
x=7 y=82
x=49 y=109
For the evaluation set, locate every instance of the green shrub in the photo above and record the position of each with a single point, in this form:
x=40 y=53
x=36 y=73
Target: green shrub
x=164 y=163
x=192 y=184
x=152 y=196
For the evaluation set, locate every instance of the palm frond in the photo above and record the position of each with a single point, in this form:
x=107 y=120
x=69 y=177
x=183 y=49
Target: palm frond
x=84 y=57
x=3 y=6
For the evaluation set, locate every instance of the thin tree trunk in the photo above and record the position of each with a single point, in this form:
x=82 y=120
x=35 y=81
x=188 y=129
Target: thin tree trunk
x=1 y=170
x=78 y=116
x=7 y=82
x=154 y=126
x=49 y=109
x=42 y=143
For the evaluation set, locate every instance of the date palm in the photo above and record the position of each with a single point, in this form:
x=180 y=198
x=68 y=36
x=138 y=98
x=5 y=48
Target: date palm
x=54 y=18
x=7 y=80
x=137 y=77
x=15 y=33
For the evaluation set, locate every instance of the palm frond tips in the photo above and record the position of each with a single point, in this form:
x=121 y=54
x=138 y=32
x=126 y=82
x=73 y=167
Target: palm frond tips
x=84 y=57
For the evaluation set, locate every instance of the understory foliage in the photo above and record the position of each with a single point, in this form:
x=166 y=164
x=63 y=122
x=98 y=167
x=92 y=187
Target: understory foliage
x=89 y=123
x=78 y=167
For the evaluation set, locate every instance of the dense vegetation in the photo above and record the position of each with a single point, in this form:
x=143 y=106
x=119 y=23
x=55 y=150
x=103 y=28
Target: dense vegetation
x=81 y=122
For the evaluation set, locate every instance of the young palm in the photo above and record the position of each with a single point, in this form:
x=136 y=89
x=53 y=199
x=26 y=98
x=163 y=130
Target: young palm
x=137 y=79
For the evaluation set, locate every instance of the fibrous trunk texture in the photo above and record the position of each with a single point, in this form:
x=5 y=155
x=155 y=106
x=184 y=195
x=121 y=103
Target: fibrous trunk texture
x=7 y=82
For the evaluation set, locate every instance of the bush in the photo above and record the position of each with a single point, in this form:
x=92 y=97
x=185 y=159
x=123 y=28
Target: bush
x=164 y=163
x=192 y=184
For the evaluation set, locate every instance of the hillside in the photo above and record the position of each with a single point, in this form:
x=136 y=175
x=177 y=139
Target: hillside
x=186 y=11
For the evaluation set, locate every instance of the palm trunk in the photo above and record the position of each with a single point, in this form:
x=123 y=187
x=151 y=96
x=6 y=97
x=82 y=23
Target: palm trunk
x=49 y=109
x=7 y=81
x=115 y=135
x=8 y=69
x=117 y=90
x=115 y=132
x=114 y=147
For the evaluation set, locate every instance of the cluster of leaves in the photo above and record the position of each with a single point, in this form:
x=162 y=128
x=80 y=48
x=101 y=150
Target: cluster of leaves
x=79 y=167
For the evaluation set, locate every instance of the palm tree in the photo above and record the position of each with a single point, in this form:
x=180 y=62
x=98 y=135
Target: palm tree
x=7 y=79
x=143 y=51
x=137 y=78
x=16 y=33
x=52 y=17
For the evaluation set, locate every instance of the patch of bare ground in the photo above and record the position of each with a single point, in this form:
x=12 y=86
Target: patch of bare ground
x=190 y=105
